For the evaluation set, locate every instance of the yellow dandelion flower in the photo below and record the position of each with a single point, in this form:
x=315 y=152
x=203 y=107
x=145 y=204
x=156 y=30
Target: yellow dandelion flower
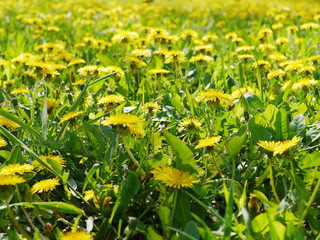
x=270 y=146
x=45 y=158
x=70 y=117
x=11 y=180
x=292 y=29
x=276 y=74
x=111 y=69
x=245 y=49
x=308 y=69
x=237 y=93
x=151 y=108
x=45 y=185
x=265 y=65
x=88 y=70
x=51 y=103
x=158 y=72
x=214 y=96
x=19 y=90
x=267 y=47
x=264 y=33
x=88 y=195
x=79 y=235
x=277 y=57
x=208 y=142
x=175 y=56
x=210 y=38
x=304 y=83
x=282 y=41
x=111 y=99
x=125 y=123
x=245 y=57
x=189 y=35
x=204 y=49
x=309 y=26
x=280 y=146
x=5 y=122
x=141 y=53
x=76 y=62
x=293 y=67
x=286 y=145
x=174 y=178
x=201 y=59
x=314 y=58
x=190 y=124
x=3 y=142
x=13 y=169
x=125 y=37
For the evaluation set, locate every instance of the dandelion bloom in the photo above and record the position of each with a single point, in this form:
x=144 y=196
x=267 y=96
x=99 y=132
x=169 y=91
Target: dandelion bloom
x=277 y=57
x=45 y=185
x=51 y=103
x=13 y=169
x=214 y=96
x=79 y=235
x=125 y=123
x=5 y=122
x=3 y=142
x=276 y=74
x=70 y=117
x=45 y=158
x=111 y=99
x=158 y=72
x=19 y=90
x=11 y=180
x=175 y=178
x=190 y=124
x=280 y=146
x=151 y=108
x=88 y=195
x=237 y=93
x=304 y=83
x=175 y=56
x=208 y=142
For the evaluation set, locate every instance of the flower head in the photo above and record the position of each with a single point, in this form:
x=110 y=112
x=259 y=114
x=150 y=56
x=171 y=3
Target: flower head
x=8 y=123
x=13 y=169
x=208 y=142
x=70 y=117
x=111 y=101
x=45 y=185
x=3 y=142
x=125 y=123
x=11 y=180
x=214 y=96
x=175 y=56
x=280 y=146
x=175 y=178
x=45 y=158
x=79 y=235
x=151 y=108
x=190 y=124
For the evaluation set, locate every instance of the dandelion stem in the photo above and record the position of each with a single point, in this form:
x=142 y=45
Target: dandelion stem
x=16 y=223
x=217 y=167
x=135 y=161
x=272 y=183
x=213 y=118
x=313 y=196
x=33 y=100
x=174 y=204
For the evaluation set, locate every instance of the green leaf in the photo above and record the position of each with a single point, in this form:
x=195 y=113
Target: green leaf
x=44 y=116
x=228 y=215
x=253 y=101
x=89 y=177
x=130 y=187
x=258 y=132
x=184 y=160
x=21 y=123
x=297 y=125
x=164 y=215
x=95 y=137
x=152 y=234
x=177 y=102
x=60 y=206
x=190 y=229
x=183 y=209
x=235 y=144
x=310 y=160
x=55 y=165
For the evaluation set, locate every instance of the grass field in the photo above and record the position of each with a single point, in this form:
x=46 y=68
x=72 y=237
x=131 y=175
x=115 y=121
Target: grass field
x=159 y=119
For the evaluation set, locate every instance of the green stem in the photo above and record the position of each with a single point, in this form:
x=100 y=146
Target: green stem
x=174 y=204
x=313 y=196
x=272 y=184
x=213 y=118
x=33 y=100
x=217 y=167
x=135 y=161
x=16 y=223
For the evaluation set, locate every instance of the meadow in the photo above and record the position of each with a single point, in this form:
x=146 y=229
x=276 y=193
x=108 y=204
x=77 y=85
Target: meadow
x=159 y=119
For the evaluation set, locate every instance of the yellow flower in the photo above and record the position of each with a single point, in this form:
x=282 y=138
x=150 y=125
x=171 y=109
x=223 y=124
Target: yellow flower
x=277 y=57
x=76 y=61
x=264 y=65
x=45 y=185
x=245 y=57
x=175 y=56
x=13 y=169
x=309 y=26
x=58 y=159
x=111 y=99
x=208 y=142
x=245 y=49
x=175 y=178
x=189 y=35
x=276 y=74
x=190 y=124
x=141 y=53
x=8 y=123
x=304 y=83
x=88 y=195
x=111 y=69
x=282 y=41
x=11 y=180
x=237 y=93
x=214 y=96
x=70 y=117
x=124 y=37
x=201 y=59
x=158 y=72
x=151 y=108
x=125 y=123
x=3 y=142
x=19 y=90
x=78 y=235
x=51 y=103
x=293 y=67
x=280 y=146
